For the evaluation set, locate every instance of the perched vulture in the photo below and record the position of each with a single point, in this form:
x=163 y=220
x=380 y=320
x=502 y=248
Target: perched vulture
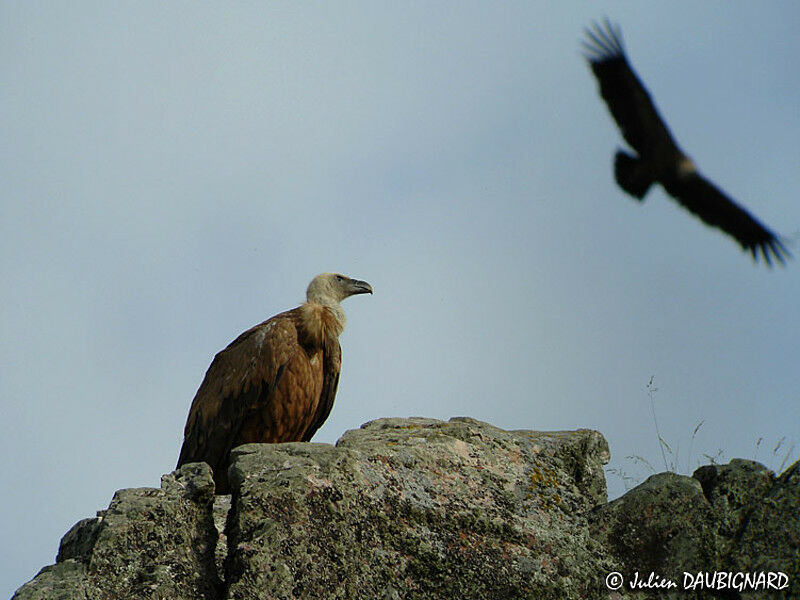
x=274 y=383
x=658 y=158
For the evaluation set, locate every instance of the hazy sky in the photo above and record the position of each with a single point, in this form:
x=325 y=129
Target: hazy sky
x=174 y=173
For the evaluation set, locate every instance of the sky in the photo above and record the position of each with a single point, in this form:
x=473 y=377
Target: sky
x=174 y=173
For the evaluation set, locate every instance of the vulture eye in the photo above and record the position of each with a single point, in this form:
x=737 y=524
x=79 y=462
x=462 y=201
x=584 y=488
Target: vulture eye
x=339 y=278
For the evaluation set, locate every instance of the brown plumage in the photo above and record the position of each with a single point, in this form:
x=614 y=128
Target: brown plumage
x=274 y=383
x=659 y=159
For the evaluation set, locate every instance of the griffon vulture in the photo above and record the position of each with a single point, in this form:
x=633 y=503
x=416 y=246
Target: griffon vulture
x=658 y=158
x=274 y=383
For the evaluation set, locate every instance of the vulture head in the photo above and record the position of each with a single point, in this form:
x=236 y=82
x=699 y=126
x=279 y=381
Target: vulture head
x=325 y=292
x=332 y=288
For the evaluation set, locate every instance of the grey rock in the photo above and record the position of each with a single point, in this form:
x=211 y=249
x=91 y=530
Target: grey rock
x=416 y=508
x=733 y=490
x=770 y=538
x=62 y=581
x=757 y=517
x=663 y=526
x=149 y=543
x=79 y=540
x=222 y=506
x=421 y=508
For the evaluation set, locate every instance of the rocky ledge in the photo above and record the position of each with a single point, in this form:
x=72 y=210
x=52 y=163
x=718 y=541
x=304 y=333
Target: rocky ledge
x=420 y=508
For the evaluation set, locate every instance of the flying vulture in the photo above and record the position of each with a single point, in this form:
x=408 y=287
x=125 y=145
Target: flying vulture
x=658 y=159
x=274 y=383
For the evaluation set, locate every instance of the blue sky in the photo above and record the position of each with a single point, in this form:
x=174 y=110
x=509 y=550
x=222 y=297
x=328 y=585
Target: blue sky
x=176 y=173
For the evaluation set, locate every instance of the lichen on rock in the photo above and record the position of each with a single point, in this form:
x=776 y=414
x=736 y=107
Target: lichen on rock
x=415 y=507
x=149 y=543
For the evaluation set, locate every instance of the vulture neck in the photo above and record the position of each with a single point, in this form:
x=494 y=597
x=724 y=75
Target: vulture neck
x=322 y=320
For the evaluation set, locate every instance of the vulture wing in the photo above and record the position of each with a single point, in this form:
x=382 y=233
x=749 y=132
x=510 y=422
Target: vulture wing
x=242 y=381
x=332 y=363
x=705 y=200
x=627 y=99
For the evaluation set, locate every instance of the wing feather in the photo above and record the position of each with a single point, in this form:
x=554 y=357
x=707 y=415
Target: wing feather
x=624 y=94
x=704 y=199
x=332 y=363
x=240 y=382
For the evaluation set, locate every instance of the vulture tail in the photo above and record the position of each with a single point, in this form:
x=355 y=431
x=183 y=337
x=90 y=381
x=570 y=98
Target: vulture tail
x=632 y=174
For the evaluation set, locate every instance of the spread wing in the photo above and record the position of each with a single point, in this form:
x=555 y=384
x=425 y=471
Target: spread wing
x=705 y=200
x=242 y=380
x=627 y=99
x=661 y=160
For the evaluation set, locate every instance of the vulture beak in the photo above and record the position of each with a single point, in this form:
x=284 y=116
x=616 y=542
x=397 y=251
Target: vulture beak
x=356 y=286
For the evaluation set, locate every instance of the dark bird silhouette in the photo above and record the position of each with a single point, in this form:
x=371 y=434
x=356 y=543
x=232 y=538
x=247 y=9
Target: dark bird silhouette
x=658 y=158
x=274 y=383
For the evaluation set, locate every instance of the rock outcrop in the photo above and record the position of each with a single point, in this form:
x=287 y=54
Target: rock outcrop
x=420 y=508
x=149 y=543
x=709 y=531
